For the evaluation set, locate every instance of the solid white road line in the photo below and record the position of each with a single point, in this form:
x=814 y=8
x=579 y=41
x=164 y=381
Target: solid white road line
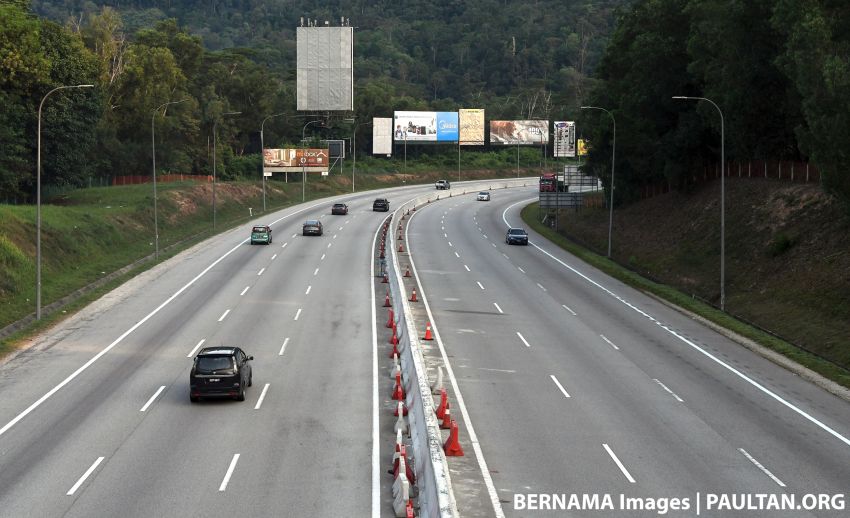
x=274 y=257
x=152 y=399
x=297 y=313
x=82 y=479
x=480 y=285
x=229 y=473
x=192 y=352
x=541 y=286
x=262 y=397
x=610 y=342
x=283 y=347
x=563 y=390
x=135 y=326
x=245 y=290
x=315 y=272
x=308 y=290
x=619 y=464
x=498 y=308
x=224 y=315
x=680 y=400
x=665 y=327
x=457 y=255
x=568 y=309
x=261 y=271
x=759 y=466
x=523 y=339
x=467 y=268
x=376 y=438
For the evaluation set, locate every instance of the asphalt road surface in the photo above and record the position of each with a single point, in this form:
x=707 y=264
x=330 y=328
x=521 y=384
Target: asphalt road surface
x=95 y=420
x=578 y=385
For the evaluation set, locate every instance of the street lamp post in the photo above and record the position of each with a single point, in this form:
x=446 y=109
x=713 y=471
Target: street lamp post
x=613 y=161
x=38 y=202
x=153 y=174
x=304 y=160
x=215 y=138
x=722 y=199
x=354 y=146
x=263 y=155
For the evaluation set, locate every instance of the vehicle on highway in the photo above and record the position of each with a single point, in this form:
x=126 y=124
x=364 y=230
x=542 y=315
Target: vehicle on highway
x=483 y=196
x=516 y=236
x=548 y=182
x=261 y=234
x=442 y=184
x=312 y=227
x=339 y=209
x=220 y=372
x=381 y=204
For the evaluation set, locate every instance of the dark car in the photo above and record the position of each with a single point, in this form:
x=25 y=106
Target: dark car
x=339 y=209
x=220 y=372
x=516 y=236
x=261 y=234
x=381 y=204
x=312 y=227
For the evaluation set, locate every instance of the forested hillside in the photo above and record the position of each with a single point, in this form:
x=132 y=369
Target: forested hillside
x=515 y=59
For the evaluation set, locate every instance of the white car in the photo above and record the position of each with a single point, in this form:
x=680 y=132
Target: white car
x=483 y=196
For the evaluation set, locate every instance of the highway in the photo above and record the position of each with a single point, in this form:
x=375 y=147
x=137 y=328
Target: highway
x=577 y=384
x=574 y=383
x=95 y=419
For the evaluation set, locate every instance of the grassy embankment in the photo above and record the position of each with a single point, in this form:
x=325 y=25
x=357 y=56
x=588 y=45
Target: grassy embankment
x=787 y=269
x=88 y=234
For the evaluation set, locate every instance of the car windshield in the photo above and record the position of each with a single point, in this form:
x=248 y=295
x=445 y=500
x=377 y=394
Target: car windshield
x=214 y=365
x=339 y=205
x=312 y=222
x=259 y=229
x=482 y=193
x=516 y=232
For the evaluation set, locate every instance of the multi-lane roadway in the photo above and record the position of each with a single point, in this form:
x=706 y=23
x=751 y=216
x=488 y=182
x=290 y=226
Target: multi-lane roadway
x=574 y=383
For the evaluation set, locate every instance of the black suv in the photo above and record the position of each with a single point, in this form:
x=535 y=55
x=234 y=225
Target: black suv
x=220 y=372
x=381 y=204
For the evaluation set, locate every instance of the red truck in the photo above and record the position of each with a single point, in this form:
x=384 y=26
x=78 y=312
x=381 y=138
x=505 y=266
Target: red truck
x=548 y=182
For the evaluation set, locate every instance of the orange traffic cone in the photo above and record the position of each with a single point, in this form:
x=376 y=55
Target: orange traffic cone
x=413 y=296
x=386 y=278
x=428 y=335
x=398 y=391
x=387 y=300
x=407 y=272
x=444 y=400
x=399 y=236
x=394 y=352
x=401 y=247
x=452 y=444
x=394 y=337
x=391 y=318
x=447 y=419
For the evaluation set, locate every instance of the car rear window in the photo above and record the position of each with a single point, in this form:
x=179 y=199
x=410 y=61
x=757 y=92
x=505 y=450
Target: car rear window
x=259 y=229
x=214 y=365
x=339 y=205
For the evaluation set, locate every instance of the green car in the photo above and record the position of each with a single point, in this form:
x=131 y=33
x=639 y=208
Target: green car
x=261 y=234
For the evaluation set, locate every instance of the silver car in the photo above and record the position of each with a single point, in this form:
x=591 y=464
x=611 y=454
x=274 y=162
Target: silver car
x=483 y=196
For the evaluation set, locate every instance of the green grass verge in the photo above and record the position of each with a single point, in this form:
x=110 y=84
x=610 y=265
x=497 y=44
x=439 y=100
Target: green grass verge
x=824 y=368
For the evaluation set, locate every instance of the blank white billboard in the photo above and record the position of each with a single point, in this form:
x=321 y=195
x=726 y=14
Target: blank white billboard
x=325 y=68
x=382 y=136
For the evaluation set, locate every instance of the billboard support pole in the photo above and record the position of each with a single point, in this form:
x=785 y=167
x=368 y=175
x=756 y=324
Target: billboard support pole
x=517 y=158
x=458 y=159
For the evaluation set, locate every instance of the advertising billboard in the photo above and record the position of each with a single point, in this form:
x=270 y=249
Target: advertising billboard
x=583 y=146
x=382 y=136
x=564 y=139
x=521 y=133
x=471 y=127
x=325 y=68
x=425 y=127
x=311 y=160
